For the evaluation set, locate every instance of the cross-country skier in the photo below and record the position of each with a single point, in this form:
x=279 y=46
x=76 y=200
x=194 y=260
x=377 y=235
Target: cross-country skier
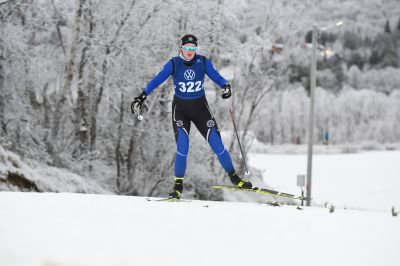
x=190 y=105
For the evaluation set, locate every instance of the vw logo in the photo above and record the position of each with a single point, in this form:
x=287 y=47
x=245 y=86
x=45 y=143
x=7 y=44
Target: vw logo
x=179 y=123
x=210 y=123
x=189 y=74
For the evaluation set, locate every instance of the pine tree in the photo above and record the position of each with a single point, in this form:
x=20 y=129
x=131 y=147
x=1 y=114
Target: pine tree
x=351 y=40
x=356 y=59
x=387 y=27
x=309 y=37
x=323 y=38
x=398 y=25
x=375 y=58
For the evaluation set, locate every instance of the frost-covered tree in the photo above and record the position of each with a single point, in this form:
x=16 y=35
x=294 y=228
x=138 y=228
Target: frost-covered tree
x=69 y=70
x=354 y=76
x=388 y=29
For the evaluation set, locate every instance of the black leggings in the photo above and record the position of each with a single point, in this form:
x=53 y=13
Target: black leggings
x=197 y=111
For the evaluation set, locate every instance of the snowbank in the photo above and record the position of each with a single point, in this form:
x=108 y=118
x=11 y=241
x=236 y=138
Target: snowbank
x=16 y=175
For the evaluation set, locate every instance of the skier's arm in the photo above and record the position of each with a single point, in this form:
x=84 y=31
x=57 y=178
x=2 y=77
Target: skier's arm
x=213 y=74
x=160 y=78
x=154 y=83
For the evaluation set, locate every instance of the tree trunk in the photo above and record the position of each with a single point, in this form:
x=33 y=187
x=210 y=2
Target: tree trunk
x=83 y=102
x=118 y=157
x=58 y=27
x=59 y=111
x=3 y=122
x=94 y=109
x=130 y=157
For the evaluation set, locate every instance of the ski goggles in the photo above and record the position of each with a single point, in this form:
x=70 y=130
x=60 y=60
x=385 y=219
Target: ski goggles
x=189 y=48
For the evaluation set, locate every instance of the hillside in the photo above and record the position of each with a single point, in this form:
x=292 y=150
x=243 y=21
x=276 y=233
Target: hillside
x=42 y=229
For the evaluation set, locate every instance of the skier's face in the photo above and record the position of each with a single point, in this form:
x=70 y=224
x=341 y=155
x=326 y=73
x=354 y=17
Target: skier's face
x=187 y=52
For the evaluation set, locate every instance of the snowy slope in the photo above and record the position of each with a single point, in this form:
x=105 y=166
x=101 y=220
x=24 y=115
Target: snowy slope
x=368 y=180
x=41 y=229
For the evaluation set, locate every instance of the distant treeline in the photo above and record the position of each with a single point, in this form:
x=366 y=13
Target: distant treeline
x=351 y=50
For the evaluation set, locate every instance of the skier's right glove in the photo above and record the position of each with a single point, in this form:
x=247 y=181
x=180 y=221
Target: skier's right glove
x=138 y=102
x=226 y=91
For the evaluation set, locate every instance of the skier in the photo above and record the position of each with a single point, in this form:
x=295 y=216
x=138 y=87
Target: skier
x=190 y=105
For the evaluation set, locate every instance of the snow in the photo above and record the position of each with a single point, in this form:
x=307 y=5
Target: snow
x=62 y=229
x=368 y=180
x=45 y=177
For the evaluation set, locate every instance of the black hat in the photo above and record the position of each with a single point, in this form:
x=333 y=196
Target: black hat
x=189 y=38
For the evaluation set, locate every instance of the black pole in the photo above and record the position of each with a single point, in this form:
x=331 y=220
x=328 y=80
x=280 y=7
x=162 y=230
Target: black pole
x=237 y=136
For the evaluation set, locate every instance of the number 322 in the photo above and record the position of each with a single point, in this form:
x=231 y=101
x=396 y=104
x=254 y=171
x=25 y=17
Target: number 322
x=189 y=86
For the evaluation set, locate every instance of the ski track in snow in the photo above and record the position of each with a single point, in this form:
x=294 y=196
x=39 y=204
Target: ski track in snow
x=59 y=229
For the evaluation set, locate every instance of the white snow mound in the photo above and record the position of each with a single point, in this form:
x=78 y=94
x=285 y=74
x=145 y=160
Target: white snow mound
x=41 y=177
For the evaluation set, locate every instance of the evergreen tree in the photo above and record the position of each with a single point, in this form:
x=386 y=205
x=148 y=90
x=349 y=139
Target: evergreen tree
x=356 y=59
x=398 y=25
x=323 y=38
x=309 y=37
x=351 y=40
x=390 y=59
x=375 y=58
x=387 y=27
x=397 y=33
x=332 y=37
x=367 y=42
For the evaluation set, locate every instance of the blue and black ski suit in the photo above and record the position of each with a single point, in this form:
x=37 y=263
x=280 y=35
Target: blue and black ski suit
x=190 y=105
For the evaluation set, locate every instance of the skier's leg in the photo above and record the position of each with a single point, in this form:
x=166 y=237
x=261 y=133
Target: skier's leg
x=208 y=127
x=182 y=150
x=181 y=127
x=213 y=138
x=216 y=144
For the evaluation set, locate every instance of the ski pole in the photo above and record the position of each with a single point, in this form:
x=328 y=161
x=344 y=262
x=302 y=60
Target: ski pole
x=237 y=135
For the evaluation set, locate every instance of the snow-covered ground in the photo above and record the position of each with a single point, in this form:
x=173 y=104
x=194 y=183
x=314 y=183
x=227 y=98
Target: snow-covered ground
x=45 y=178
x=60 y=229
x=367 y=180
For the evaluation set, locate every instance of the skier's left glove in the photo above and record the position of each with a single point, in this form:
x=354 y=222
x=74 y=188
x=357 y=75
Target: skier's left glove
x=226 y=91
x=138 y=102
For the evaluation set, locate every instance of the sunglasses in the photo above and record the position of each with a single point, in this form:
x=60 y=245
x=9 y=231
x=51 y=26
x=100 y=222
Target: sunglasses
x=189 y=48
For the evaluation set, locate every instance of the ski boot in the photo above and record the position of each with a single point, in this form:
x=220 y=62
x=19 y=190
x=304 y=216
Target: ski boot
x=178 y=188
x=237 y=181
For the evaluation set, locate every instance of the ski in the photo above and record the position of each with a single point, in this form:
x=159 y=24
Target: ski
x=169 y=200
x=261 y=191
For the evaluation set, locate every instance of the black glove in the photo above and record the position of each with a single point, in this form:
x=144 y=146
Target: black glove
x=226 y=91
x=138 y=102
